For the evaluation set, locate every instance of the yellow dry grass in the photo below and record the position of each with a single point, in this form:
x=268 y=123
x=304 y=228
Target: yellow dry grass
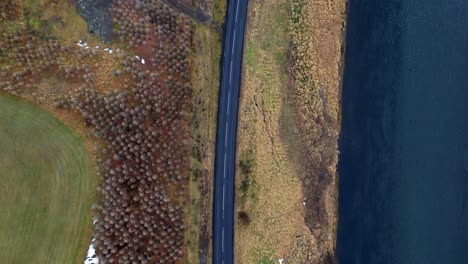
x=274 y=198
x=205 y=78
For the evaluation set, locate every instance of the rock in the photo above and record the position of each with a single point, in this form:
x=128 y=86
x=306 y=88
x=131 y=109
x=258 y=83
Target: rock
x=98 y=17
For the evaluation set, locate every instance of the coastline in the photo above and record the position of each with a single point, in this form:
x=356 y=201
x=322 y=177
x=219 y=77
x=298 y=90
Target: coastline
x=320 y=123
x=286 y=179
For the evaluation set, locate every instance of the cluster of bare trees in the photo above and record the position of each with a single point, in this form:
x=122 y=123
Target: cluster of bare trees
x=144 y=170
x=145 y=130
x=136 y=21
x=8 y=10
x=144 y=125
x=24 y=55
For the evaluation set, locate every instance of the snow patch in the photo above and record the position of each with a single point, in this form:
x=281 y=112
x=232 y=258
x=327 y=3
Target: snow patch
x=91 y=257
x=82 y=44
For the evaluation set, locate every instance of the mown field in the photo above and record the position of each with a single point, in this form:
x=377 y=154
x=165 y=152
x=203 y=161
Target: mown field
x=46 y=188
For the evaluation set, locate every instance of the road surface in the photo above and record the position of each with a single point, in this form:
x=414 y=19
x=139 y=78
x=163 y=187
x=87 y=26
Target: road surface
x=223 y=212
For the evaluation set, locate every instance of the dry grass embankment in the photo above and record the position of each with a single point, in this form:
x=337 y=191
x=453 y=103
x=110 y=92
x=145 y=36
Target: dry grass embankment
x=316 y=31
x=268 y=188
x=207 y=55
x=289 y=125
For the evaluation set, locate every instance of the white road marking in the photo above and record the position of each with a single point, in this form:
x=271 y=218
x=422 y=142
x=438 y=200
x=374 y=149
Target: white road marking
x=223 y=198
x=237 y=9
x=229 y=102
x=226 y=132
x=222 y=240
x=224 y=165
x=230 y=74
x=225 y=141
x=233 y=41
x=224 y=192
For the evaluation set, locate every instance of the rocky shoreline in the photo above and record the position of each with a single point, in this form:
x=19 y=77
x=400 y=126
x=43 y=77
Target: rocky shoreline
x=316 y=67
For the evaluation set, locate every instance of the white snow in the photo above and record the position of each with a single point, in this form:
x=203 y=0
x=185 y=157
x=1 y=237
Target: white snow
x=82 y=44
x=143 y=61
x=280 y=260
x=91 y=257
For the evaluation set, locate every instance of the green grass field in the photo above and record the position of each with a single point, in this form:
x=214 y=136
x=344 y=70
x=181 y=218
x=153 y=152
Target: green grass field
x=46 y=188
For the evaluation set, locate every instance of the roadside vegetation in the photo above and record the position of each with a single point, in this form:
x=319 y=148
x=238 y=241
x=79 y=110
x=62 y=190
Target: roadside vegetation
x=315 y=69
x=289 y=125
x=269 y=200
x=207 y=54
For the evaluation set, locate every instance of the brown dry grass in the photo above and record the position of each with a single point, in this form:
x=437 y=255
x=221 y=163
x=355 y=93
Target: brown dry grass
x=274 y=198
x=315 y=69
x=205 y=102
x=206 y=60
x=272 y=103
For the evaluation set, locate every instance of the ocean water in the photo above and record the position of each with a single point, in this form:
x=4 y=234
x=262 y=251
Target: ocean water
x=404 y=144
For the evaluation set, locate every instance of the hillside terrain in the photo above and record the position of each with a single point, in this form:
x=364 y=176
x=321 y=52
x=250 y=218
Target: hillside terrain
x=288 y=131
x=134 y=79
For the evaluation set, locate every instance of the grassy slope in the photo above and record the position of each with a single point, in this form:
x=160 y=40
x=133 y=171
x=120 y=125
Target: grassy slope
x=273 y=199
x=46 y=189
x=269 y=133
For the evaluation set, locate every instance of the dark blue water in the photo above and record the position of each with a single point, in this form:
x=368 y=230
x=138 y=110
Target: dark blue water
x=404 y=144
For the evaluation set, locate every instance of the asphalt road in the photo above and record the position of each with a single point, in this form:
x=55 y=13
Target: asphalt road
x=223 y=208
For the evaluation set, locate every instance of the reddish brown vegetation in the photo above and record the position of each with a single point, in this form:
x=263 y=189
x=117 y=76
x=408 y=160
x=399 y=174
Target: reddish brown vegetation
x=8 y=10
x=143 y=124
